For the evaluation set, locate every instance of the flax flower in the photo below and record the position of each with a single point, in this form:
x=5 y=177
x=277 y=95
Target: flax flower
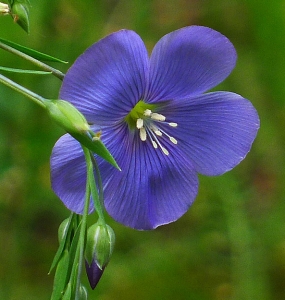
x=157 y=121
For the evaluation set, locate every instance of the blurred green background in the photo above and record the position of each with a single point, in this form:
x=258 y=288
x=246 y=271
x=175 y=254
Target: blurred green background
x=231 y=243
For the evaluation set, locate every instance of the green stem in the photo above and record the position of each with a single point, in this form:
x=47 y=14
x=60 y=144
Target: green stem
x=36 y=62
x=20 y=89
x=98 y=203
x=81 y=242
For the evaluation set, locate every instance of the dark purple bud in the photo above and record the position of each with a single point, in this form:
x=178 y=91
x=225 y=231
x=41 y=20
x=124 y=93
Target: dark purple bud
x=94 y=273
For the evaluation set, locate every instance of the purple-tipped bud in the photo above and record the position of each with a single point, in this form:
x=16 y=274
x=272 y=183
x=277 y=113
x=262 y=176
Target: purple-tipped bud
x=99 y=248
x=94 y=273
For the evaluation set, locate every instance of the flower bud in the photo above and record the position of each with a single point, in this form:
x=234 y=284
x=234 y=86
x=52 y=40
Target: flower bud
x=62 y=229
x=100 y=244
x=83 y=295
x=67 y=116
x=20 y=14
x=4 y=9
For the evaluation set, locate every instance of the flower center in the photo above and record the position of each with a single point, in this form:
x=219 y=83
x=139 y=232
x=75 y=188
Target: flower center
x=149 y=124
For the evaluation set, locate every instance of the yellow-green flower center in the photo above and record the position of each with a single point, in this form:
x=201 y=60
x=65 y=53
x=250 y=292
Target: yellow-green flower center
x=138 y=113
x=149 y=124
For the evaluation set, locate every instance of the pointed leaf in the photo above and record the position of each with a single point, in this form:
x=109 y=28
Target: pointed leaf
x=33 y=53
x=61 y=276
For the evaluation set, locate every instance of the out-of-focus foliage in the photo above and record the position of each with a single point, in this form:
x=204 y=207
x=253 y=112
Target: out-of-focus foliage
x=231 y=243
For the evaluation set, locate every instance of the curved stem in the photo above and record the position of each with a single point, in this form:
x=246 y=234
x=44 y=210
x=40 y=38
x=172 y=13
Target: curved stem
x=36 y=62
x=98 y=203
x=20 y=89
x=81 y=243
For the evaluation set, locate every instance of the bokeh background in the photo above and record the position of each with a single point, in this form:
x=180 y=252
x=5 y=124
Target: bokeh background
x=231 y=243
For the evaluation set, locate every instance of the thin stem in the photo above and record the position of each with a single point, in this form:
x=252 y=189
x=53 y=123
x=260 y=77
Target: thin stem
x=98 y=200
x=20 y=89
x=100 y=185
x=36 y=62
x=82 y=235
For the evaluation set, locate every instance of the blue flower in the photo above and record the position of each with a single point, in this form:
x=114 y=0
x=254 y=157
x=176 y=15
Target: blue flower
x=156 y=120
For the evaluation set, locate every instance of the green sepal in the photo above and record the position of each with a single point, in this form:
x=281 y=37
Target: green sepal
x=33 y=53
x=61 y=276
x=13 y=70
x=96 y=146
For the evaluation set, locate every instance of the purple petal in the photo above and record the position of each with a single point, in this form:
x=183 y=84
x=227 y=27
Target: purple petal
x=94 y=273
x=152 y=189
x=68 y=173
x=109 y=78
x=189 y=61
x=215 y=130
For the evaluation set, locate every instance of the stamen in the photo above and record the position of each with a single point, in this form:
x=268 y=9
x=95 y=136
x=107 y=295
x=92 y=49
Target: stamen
x=139 y=123
x=154 y=144
x=164 y=151
x=143 y=134
x=147 y=127
x=157 y=117
x=147 y=113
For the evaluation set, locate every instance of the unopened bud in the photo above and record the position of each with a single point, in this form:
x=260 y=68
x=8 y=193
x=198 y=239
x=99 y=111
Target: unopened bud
x=20 y=14
x=62 y=229
x=100 y=244
x=83 y=295
x=67 y=116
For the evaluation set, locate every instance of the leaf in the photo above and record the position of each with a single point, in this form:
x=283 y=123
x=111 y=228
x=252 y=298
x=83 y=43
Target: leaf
x=13 y=70
x=61 y=276
x=33 y=53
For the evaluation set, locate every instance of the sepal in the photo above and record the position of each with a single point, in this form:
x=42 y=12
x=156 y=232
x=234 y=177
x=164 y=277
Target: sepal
x=99 y=245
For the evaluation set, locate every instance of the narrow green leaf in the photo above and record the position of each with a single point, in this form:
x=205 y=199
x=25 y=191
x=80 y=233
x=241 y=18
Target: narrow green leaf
x=13 y=70
x=61 y=277
x=33 y=53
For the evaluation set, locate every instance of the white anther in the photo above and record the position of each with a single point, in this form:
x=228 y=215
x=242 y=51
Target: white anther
x=172 y=124
x=164 y=151
x=157 y=117
x=143 y=134
x=139 y=123
x=147 y=113
x=154 y=144
x=157 y=132
x=173 y=140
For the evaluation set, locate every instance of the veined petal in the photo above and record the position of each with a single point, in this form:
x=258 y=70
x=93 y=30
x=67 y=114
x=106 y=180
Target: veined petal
x=152 y=189
x=68 y=173
x=109 y=78
x=189 y=61
x=215 y=130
